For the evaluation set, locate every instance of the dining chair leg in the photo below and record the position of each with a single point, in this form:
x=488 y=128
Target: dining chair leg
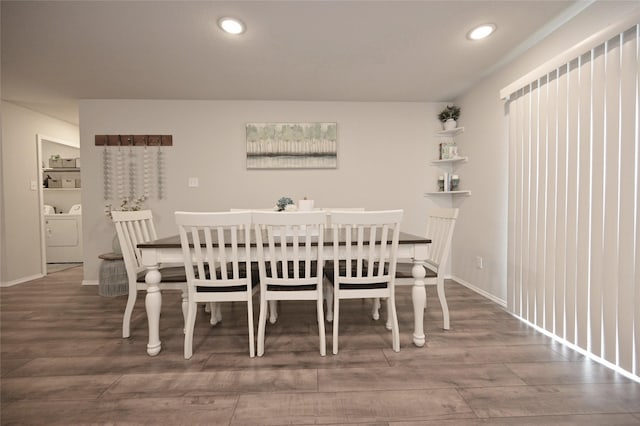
x=262 y=323
x=212 y=313
x=323 y=343
x=219 y=312
x=185 y=309
x=188 y=335
x=252 y=351
x=336 y=321
x=395 y=331
x=443 y=302
x=273 y=311
x=329 y=298
x=375 y=309
x=216 y=313
x=128 y=310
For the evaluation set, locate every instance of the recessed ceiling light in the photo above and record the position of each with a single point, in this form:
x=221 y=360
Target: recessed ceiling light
x=481 y=31
x=231 y=25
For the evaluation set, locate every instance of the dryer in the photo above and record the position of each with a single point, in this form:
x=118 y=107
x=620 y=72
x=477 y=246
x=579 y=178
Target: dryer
x=63 y=233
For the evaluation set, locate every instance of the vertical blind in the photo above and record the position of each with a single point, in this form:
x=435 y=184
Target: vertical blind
x=574 y=195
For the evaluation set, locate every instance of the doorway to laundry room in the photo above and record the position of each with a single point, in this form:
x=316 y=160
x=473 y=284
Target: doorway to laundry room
x=60 y=204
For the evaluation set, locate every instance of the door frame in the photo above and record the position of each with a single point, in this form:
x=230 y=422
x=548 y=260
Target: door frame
x=40 y=138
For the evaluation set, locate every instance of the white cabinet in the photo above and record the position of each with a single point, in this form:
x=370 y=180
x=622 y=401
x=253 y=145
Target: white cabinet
x=448 y=165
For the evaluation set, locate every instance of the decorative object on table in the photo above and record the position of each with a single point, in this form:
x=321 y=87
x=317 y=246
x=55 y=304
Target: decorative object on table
x=285 y=203
x=455 y=181
x=449 y=117
x=305 y=205
x=291 y=145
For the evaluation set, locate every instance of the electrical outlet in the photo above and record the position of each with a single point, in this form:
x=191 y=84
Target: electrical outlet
x=193 y=182
x=34 y=185
x=479 y=263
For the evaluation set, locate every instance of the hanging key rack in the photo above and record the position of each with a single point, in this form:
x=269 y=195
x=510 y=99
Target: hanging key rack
x=130 y=176
x=134 y=140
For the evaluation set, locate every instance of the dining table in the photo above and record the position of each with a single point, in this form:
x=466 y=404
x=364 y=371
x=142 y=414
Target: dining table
x=168 y=250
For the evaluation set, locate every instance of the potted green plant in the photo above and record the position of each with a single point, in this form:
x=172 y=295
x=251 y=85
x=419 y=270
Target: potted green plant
x=449 y=117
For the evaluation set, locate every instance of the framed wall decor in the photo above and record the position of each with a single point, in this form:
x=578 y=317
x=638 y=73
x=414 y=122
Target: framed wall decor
x=292 y=145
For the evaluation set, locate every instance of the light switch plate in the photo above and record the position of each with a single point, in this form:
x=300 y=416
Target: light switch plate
x=193 y=182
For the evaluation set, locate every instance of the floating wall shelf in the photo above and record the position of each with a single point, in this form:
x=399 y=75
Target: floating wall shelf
x=450 y=133
x=451 y=160
x=429 y=194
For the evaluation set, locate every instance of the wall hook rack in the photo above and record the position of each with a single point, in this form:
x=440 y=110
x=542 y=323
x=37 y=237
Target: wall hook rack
x=134 y=140
x=133 y=174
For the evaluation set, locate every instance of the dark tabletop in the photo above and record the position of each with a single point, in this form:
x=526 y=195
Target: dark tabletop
x=174 y=241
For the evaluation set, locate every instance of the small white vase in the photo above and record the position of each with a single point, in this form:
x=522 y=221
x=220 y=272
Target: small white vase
x=450 y=124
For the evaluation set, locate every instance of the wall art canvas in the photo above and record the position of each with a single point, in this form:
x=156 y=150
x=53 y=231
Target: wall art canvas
x=292 y=146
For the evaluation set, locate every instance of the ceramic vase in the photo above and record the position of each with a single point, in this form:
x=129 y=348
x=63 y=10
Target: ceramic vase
x=450 y=124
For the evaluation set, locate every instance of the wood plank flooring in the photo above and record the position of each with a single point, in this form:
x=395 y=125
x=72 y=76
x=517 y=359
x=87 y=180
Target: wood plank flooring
x=63 y=362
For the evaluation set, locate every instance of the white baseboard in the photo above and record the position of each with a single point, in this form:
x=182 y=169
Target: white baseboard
x=89 y=282
x=480 y=291
x=21 y=280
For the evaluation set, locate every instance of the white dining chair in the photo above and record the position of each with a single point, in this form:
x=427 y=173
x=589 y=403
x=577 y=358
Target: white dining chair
x=216 y=275
x=328 y=288
x=290 y=263
x=365 y=247
x=133 y=228
x=440 y=225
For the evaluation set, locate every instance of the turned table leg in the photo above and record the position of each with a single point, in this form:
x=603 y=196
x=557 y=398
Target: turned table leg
x=153 y=304
x=419 y=298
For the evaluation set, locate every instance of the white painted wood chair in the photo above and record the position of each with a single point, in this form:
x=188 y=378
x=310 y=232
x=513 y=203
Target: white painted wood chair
x=440 y=226
x=290 y=264
x=216 y=275
x=365 y=266
x=133 y=228
x=328 y=288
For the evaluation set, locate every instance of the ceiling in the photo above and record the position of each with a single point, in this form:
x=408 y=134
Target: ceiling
x=56 y=52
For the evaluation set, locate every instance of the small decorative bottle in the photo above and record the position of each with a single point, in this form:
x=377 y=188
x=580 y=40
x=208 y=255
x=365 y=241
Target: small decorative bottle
x=455 y=181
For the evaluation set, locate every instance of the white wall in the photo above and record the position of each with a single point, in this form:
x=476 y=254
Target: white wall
x=20 y=210
x=482 y=226
x=384 y=151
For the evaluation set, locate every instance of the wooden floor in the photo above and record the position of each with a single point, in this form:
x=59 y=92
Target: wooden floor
x=64 y=362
